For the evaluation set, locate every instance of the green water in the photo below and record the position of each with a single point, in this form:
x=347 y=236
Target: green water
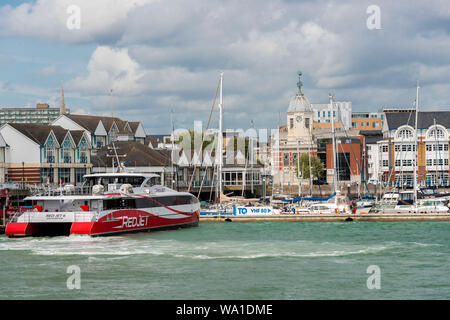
x=261 y=260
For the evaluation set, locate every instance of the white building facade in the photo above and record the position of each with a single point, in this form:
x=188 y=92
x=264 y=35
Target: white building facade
x=342 y=113
x=399 y=149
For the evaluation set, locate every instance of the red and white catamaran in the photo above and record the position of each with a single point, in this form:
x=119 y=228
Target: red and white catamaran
x=106 y=204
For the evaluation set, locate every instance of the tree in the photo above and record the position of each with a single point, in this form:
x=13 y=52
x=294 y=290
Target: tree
x=303 y=166
x=191 y=140
x=241 y=144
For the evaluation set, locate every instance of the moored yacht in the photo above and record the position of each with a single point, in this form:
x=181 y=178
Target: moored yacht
x=106 y=204
x=403 y=202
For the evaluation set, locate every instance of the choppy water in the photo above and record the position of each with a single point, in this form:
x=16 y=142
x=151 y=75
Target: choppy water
x=261 y=260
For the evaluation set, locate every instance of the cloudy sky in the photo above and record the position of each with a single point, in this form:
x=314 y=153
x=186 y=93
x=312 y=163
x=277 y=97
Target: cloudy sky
x=162 y=55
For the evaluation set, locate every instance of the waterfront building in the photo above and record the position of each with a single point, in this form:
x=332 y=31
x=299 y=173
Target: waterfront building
x=367 y=120
x=371 y=162
x=37 y=153
x=102 y=130
x=397 y=150
x=3 y=147
x=342 y=113
x=293 y=140
x=238 y=176
x=135 y=157
x=350 y=153
x=327 y=125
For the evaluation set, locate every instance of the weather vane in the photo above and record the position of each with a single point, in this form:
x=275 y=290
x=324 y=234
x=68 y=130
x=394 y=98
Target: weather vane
x=299 y=83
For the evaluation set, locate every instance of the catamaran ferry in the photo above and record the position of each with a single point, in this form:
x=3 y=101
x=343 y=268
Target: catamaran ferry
x=106 y=204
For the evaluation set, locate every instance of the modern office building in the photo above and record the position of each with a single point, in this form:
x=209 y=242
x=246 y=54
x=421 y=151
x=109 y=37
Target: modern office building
x=42 y=114
x=342 y=113
x=367 y=120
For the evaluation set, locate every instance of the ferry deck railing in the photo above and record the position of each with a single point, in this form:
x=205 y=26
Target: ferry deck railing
x=41 y=217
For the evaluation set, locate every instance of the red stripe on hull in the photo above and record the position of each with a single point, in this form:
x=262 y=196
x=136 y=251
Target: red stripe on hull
x=135 y=220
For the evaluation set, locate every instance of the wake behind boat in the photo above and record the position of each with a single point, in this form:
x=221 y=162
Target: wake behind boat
x=106 y=204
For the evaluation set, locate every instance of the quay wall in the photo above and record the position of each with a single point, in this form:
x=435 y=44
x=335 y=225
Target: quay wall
x=325 y=217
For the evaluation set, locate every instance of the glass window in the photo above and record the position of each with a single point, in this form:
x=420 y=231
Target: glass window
x=47 y=175
x=79 y=173
x=63 y=175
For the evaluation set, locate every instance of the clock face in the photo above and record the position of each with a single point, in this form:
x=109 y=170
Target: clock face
x=299 y=118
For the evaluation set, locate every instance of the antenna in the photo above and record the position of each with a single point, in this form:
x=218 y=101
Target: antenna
x=111 y=102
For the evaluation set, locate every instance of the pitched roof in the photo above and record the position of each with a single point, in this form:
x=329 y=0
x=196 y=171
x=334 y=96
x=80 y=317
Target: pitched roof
x=134 y=125
x=60 y=133
x=90 y=123
x=372 y=136
x=154 y=143
x=135 y=153
x=77 y=135
x=36 y=132
x=425 y=119
x=40 y=132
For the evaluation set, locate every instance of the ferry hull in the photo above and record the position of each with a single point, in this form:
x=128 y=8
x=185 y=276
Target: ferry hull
x=19 y=229
x=117 y=222
x=136 y=220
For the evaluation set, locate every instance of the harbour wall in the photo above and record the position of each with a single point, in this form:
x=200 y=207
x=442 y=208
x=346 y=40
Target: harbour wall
x=327 y=217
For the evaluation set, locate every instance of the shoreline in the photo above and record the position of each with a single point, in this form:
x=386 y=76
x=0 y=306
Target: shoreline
x=328 y=217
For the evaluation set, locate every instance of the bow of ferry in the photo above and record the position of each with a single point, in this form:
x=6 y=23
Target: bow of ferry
x=120 y=209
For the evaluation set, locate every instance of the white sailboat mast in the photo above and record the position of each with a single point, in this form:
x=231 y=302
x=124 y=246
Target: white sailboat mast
x=220 y=138
x=416 y=164
x=173 y=147
x=334 y=145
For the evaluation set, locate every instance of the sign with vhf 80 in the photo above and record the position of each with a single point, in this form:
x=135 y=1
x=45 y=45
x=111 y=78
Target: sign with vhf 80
x=252 y=210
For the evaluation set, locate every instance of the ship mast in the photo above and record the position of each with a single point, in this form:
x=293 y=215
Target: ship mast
x=334 y=144
x=220 y=139
x=173 y=147
x=416 y=144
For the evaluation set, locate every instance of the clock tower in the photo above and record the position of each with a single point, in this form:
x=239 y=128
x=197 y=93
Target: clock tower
x=299 y=116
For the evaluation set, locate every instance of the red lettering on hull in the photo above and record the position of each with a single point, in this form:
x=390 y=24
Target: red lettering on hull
x=135 y=220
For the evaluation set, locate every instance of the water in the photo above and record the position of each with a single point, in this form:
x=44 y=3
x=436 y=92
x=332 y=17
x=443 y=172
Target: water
x=260 y=260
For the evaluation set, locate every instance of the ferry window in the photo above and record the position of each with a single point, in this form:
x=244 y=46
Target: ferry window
x=145 y=203
x=180 y=200
x=152 y=182
x=119 y=204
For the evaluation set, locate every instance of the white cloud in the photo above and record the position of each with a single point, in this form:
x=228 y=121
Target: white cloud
x=110 y=68
x=101 y=20
x=48 y=71
x=162 y=55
